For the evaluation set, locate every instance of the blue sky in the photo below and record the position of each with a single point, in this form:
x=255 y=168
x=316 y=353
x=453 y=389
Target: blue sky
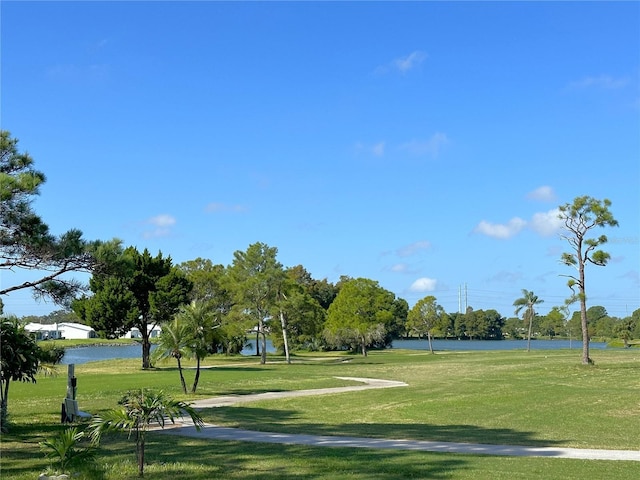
x=423 y=145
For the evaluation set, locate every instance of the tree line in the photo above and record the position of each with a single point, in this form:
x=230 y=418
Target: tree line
x=209 y=308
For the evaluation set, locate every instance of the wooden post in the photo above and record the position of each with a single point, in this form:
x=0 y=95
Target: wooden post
x=71 y=381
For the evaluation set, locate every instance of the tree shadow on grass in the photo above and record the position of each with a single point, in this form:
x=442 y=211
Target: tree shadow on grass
x=22 y=453
x=233 y=459
x=289 y=421
x=217 y=368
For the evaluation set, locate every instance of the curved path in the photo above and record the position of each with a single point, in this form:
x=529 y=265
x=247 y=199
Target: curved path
x=233 y=399
x=185 y=427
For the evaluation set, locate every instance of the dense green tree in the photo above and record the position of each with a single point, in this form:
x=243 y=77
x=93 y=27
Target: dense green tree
x=258 y=278
x=553 y=323
x=25 y=240
x=513 y=328
x=426 y=317
x=304 y=321
x=57 y=316
x=213 y=284
x=595 y=313
x=635 y=318
x=323 y=291
x=625 y=330
x=579 y=218
x=528 y=301
x=359 y=315
x=19 y=361
x=458 y=321
x=138 y=411
x=398 y=325
x=134 y=290
x=573 y=326
x=495 y=323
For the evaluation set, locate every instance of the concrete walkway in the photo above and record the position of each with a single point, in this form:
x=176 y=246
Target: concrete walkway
x=234 y=399
x=185 y=427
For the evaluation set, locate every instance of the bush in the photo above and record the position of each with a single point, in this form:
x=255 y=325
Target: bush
x=51 y=353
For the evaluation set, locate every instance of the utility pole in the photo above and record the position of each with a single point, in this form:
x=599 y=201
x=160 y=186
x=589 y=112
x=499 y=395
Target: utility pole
x=466 y=298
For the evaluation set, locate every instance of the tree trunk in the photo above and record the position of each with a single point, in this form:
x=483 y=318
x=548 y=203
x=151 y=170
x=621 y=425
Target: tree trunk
x=263 y=338
x=429 y=338
x=586 y=360
x=258 y=341
x=4 y=403
x=197 y=377
x=529 y=334
x=284 y=337
x=182 y=382
x=140 y=452
x=146 y=348
x=363 y=343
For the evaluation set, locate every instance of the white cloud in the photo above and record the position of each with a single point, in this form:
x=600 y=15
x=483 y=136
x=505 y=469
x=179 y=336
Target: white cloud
x=162 y=223
x=399 y=267
x=430 y=147
x=223 y=207
x=157 y=233
x=413 y=248
x=542 y=194
x=423 y=284
x=504 y=276
x=163 y=220
x=546 y=223
x=503 y=231
x=602 y=81
x=378 y=149
x=404 y=64
x=633 y=276
x=78 y=73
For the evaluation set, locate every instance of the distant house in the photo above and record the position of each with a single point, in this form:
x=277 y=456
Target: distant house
x=76 y=330
x=135 y=332
x=56 y=331
x=41 y=331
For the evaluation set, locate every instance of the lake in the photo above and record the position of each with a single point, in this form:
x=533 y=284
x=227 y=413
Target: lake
x=466 y=345
x=79 y=355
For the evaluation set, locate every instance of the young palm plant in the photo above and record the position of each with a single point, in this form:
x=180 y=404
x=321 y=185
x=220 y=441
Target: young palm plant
x=527 y=301
x=200 y=319
x=139 y=411
x=65 y=449
x=174 y=342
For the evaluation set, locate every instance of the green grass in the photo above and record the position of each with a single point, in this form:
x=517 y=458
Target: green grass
x=540 y=398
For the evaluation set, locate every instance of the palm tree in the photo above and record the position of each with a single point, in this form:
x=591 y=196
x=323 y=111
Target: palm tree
x=528 y=301
x=139 y=410
x=174 y=342
x=199 y=319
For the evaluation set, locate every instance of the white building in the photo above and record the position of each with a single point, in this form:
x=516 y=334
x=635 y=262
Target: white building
x=55 y=331
x=42 y=331
x=76 y=330
x=135 y=332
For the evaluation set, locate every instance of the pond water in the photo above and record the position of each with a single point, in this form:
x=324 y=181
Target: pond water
x=466 y=345
x=94 y=353
x=81 y=355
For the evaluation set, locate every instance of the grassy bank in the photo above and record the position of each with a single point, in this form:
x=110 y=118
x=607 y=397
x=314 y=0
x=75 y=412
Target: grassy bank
x=541 y=398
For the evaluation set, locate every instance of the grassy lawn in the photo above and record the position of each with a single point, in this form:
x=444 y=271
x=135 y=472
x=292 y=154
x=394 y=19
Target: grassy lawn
x=541 y=398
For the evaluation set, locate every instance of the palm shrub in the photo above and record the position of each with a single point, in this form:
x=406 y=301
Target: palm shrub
x=138 y=411
x=51 y=353
x=174 y=342
x=65 y=450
